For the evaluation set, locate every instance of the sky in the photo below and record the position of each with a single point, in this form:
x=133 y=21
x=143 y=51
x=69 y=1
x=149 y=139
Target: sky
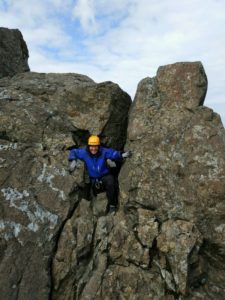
x=123 y=41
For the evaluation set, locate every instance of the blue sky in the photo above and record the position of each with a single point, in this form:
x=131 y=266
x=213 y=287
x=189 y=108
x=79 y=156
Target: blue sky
x=123 y=40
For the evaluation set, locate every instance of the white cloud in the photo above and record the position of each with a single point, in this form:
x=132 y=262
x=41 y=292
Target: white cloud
x=85 y=12
x=156 y=33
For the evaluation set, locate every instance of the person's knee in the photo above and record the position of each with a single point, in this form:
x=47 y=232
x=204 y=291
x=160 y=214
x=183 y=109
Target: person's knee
x=109 y=181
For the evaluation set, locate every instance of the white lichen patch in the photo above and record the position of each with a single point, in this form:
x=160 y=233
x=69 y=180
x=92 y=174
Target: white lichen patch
x=220 y=228
x=47 y=177
x=210 y=161
x=33 y=227
x=35 y=213
x=32 y=120
x=13 y=194
x=3 y=163
x=59 y=172
x=9 y=229
x=5 y=95
x=198 y=132
x=9 y=146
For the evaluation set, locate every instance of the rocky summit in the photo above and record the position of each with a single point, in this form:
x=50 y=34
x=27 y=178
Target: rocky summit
x=166 y=241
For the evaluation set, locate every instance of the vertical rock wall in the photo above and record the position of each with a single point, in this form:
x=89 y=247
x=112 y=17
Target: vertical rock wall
x=176 y=176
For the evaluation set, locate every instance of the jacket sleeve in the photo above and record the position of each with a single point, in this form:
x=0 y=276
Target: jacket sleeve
x=76 y=154
x=113 y=154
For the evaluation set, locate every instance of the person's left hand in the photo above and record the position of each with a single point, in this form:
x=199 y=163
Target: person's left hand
x=127 y=154
x=111 y=163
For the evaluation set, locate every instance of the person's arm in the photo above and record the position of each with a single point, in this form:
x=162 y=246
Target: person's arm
x=113 y=154
x=117 y=155
x=73 y=156
x=76 y=154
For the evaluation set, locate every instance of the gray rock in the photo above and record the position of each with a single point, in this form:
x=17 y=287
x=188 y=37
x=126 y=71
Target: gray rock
x=41 y=115
x=182 y=84
x=167 y=239
x=13 y=52
x=177 y=240
x=177 y=172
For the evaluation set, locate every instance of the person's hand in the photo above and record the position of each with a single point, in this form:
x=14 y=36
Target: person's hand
x=127 y=154
x=111 y=163
x=72 y=166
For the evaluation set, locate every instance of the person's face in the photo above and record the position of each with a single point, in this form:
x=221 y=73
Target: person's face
x=93 y=149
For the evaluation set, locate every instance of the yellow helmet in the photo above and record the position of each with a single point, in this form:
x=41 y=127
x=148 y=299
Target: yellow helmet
x=94 y=140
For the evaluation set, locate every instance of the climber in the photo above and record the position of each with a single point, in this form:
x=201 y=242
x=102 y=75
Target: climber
x=98 y=161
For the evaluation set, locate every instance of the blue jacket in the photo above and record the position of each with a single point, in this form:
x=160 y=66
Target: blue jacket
x=95 y=164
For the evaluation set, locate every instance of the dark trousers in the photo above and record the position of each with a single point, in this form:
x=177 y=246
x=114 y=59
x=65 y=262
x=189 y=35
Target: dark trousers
x=110 y=185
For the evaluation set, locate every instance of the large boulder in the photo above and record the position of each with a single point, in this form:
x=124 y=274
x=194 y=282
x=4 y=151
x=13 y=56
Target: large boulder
x=41 y=115
x=13 y=52
x=177 y=175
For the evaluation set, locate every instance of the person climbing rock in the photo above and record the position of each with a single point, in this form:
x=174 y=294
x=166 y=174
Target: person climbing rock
x=98 y=161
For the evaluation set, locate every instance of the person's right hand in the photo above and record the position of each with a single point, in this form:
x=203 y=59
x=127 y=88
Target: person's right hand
x=72 y=166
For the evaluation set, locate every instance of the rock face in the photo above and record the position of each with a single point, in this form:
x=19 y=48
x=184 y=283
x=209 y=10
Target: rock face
x=13 y=52
x=167 y=239
x=176 y=175
x=40 y=200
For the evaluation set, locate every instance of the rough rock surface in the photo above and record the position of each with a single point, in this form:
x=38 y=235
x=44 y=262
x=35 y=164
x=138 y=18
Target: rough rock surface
x=13 y=52
x=39 y=199
x=167 y=240
x=177 y=176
